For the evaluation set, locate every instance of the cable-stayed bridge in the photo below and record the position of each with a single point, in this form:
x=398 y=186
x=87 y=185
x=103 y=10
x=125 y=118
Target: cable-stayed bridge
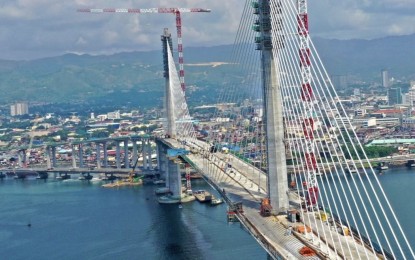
x=269 y=153
x=285 y=156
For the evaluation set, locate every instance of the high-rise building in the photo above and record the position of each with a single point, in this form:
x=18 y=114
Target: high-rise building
x=19 y=109
x=339 y=81
x=410 y=96
x=114 y=115
x=394 y=96
x=385 y=78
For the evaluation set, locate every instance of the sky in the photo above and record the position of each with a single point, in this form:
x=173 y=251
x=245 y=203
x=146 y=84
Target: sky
x=31 y=29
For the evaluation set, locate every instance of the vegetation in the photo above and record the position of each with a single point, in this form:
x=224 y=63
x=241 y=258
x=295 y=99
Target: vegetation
x=371 y=151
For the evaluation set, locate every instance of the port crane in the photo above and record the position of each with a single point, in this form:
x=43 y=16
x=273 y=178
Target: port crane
x=176 y=11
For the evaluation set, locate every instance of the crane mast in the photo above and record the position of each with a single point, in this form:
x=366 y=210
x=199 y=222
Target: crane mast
x=176 y=11
x=307 y=98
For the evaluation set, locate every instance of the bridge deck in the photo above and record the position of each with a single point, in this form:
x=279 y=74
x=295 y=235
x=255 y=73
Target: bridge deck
x=241 y=183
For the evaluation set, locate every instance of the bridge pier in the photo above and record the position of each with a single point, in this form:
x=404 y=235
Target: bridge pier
x=48 y=162
x=144 y=152
x=104 y=147
x=126 y=159
x=135 y=153
x=174 y=178
x=53 y=156
x=20 y=159
x=117 y=154
x=81 y=156
x=162 y=161
x=98 y=155
x=150 y=161
x=73 y=156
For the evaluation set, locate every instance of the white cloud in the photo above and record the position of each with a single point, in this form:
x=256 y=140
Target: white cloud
x=35 y=28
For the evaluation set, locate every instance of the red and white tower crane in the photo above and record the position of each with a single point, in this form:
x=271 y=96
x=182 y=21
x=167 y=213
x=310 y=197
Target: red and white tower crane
x=307 y=98
x=175 y=11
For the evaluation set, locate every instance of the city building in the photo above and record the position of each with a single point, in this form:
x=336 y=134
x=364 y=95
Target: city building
x=339 y=82
x=394 y=96
x=18 y=109
x=385 y=78
x=114 y=115
x=410 y=96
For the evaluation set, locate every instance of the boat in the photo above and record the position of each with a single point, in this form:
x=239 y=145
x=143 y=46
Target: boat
x=382 y=166
x=159 y=182
x=202 y=195
x=216 y=201
x=410 y=163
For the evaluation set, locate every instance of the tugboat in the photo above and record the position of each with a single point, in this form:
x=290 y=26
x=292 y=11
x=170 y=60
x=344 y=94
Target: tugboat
x=382 y=166
x=216 y=201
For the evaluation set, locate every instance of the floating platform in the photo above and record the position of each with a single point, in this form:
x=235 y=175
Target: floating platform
x=169 y=199
x=123 y=184
x=203 y=196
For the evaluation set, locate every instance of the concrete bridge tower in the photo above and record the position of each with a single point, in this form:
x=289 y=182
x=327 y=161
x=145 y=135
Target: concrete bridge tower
x=169 y=106
x=276 y=160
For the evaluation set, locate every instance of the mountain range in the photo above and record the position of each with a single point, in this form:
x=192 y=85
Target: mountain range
x=137 y=76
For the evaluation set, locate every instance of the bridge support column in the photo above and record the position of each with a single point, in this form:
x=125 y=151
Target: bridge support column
x=149 y=152
x=24 y=158
x=73 y=156
x=81 y=156
x=162 y=161
x=20 y=159
x=48 y=163
x=117 y=155
x=104 y=147
x=126 y=159
x=144 y=149
x=98 y=156
x=135 y=153
x=174 y=179
x=53 y=156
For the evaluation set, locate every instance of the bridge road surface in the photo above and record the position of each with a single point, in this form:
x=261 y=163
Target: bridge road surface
x=240 y=183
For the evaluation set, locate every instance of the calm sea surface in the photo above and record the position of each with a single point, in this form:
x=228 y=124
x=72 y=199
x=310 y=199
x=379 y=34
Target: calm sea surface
x=81 y=220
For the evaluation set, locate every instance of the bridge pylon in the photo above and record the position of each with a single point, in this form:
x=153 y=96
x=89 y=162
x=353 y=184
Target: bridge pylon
x=276 y=159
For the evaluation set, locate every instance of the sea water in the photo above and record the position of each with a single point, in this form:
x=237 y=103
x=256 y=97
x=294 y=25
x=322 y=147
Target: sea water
x=75 y=219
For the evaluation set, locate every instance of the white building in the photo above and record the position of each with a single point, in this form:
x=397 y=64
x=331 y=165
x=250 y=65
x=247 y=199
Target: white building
x=385 y=78
x=19 y=109
x=114 y=115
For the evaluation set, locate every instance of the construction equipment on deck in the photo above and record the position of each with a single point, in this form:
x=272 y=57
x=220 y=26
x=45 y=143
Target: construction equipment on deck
x=265 y=208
